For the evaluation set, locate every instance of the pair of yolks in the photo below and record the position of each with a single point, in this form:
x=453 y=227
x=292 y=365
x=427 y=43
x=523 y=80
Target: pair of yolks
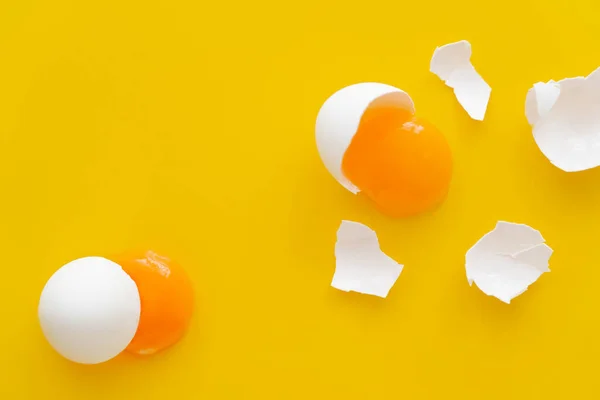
x=166 y=297
x=401 y=162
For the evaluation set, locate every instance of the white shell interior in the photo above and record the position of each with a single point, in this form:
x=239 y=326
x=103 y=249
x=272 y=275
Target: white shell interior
x=505 y=261
x=565 y=117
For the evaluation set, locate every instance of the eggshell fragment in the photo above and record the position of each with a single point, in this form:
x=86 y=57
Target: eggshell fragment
x=452 y=64
x=505 y=261
x=89 y=310
x=565 y=117
x=340 y=116
x=361 y=266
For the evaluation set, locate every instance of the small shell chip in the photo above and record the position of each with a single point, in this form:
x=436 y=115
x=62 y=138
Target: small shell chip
x=360 y=265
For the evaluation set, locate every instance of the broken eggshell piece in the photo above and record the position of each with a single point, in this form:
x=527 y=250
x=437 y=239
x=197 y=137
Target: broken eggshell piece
x=565 y=117
x=505 y=261
x=360 y=265
x=340 y=116
x=452 y=64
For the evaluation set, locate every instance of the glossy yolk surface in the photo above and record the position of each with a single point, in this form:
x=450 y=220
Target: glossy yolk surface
x=401 y=162
x=167 y=300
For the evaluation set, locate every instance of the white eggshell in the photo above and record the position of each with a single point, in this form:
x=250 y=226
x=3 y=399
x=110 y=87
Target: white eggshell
x=89 y=310
x=360 y=265
x=507 y=260
x=452 y=64
x=339 y=118
x=565 y=121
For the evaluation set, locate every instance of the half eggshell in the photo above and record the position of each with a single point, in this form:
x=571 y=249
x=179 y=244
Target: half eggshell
x=565 y=120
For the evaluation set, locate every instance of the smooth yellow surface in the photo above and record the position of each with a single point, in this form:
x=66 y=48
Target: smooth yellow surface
x=188 y=127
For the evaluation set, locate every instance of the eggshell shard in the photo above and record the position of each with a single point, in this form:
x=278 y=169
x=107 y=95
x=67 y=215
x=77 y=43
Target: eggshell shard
x=452 y=64
x=505 y=261
x=89 y=310
x=361 y=266
x=565 y=117
x=340 y=116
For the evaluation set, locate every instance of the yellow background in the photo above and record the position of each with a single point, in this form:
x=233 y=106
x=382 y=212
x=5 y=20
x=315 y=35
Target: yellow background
x=188 y=127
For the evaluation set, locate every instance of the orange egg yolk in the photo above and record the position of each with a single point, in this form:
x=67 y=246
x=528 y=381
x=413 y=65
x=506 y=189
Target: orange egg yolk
x=167 y=301
x=401 y=162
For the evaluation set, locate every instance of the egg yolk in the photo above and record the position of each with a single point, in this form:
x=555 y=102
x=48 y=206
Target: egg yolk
x=401 y=162
x=167 y=301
